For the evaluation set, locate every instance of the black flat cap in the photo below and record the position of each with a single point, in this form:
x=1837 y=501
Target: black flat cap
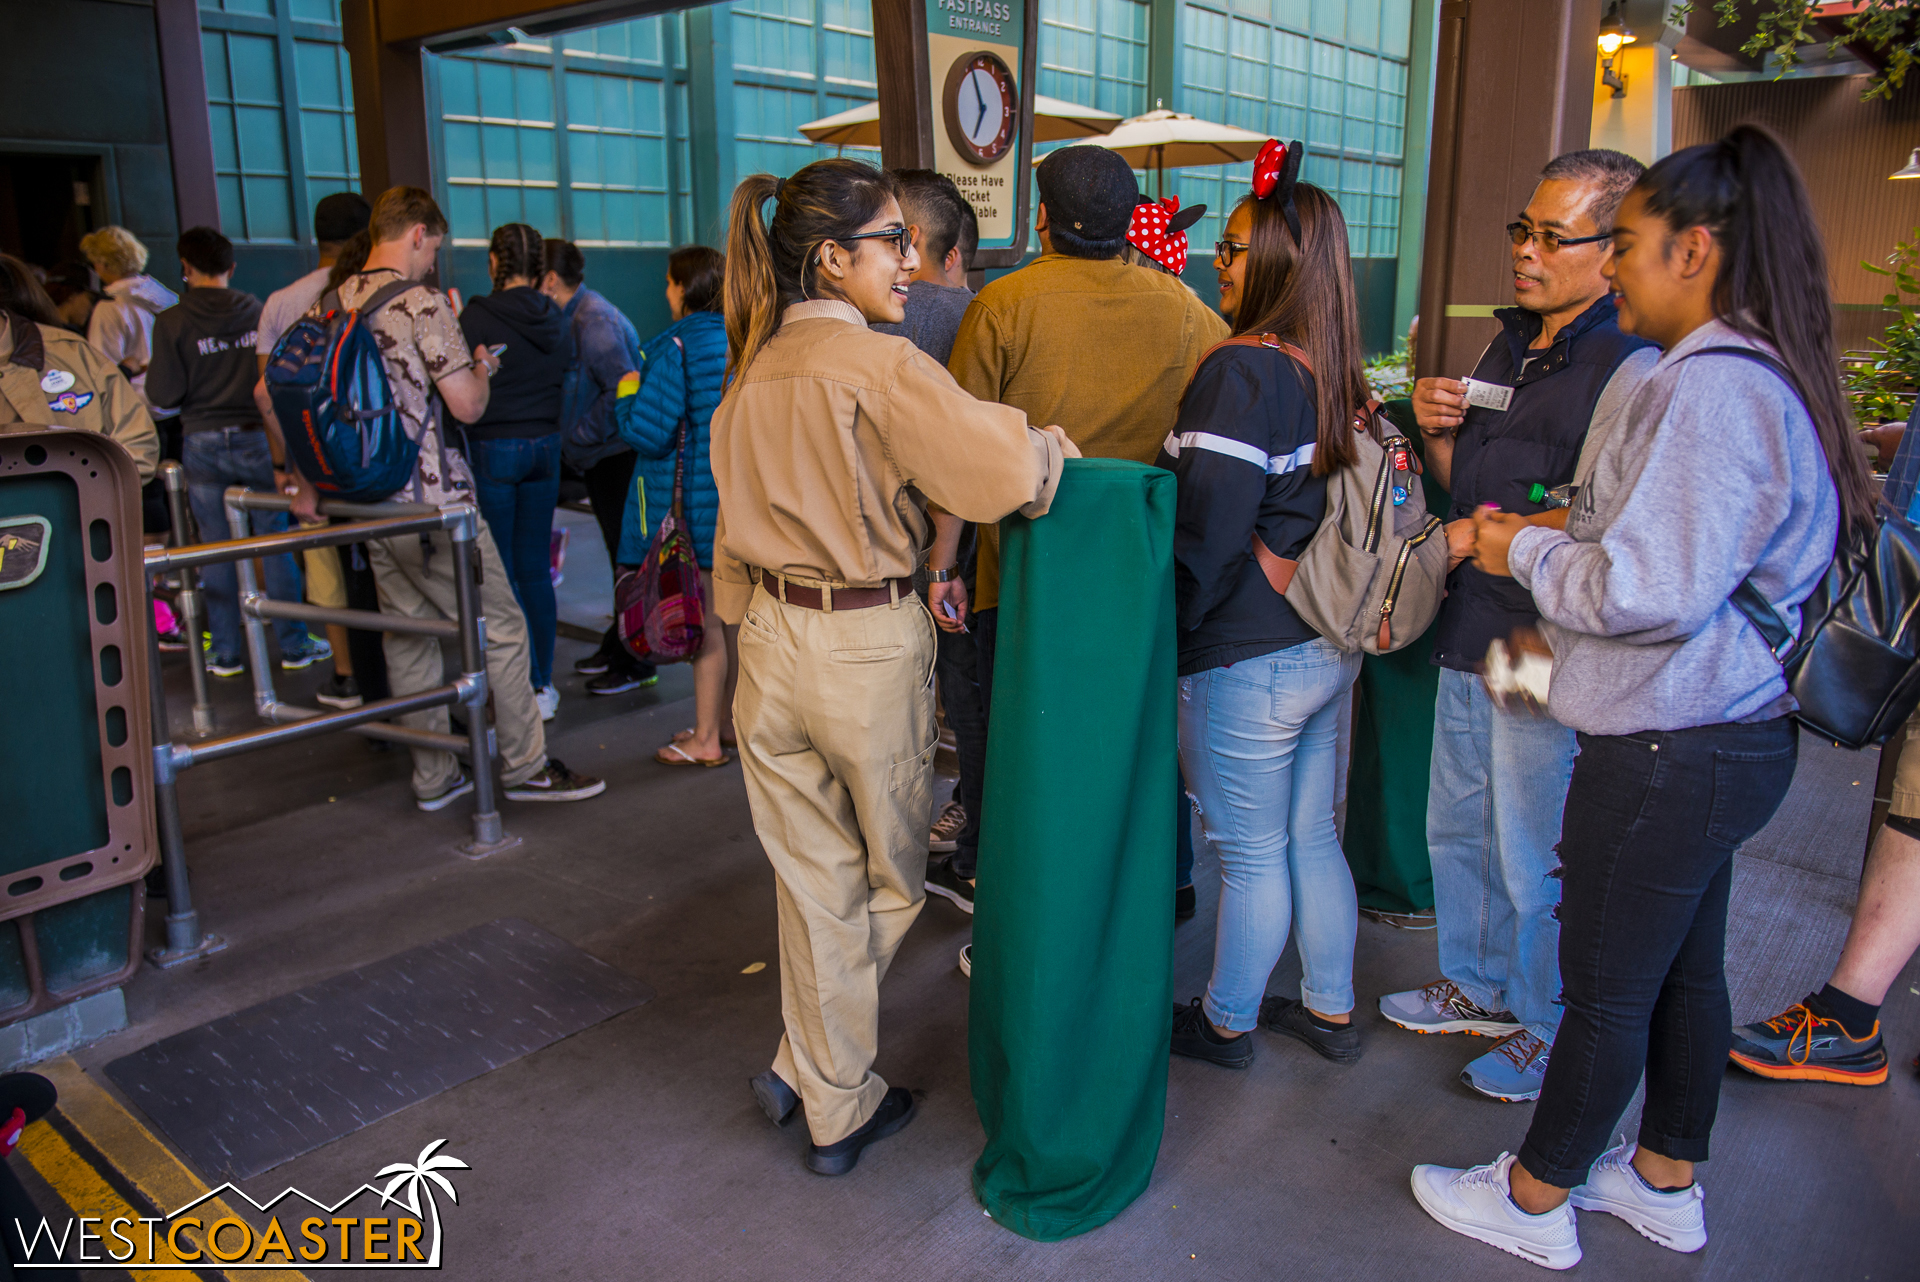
x=1088 y=191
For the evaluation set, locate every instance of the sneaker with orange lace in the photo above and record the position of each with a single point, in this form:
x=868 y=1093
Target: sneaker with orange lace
x=1802 y=1045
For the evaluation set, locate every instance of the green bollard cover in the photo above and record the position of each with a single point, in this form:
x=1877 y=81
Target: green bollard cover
x=1073 y=926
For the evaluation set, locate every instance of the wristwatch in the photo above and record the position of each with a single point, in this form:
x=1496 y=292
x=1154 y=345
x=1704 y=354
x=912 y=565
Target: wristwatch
x=939 y=576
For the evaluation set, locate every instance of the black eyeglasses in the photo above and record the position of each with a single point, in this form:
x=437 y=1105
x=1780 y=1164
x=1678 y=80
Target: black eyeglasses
x=1550 y=242
x=1224 y=250
x=902 y=238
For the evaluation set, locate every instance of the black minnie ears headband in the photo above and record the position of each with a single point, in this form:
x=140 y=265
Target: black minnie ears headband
x=1276 y=171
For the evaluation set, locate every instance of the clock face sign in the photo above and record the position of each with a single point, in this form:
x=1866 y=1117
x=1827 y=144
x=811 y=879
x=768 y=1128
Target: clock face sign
x=981 y=105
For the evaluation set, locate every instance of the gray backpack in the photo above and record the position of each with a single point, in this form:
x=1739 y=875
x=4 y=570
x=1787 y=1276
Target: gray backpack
x=1373 y=575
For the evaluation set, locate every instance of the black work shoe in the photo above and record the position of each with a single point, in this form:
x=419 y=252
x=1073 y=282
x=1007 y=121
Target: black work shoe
x=1193 y=1037
x=897 y=1108
x=1289 y=1018
x=556 y=783
x=942 y=880
x=1185 y=903
x=775 y=1097
x=621 y=682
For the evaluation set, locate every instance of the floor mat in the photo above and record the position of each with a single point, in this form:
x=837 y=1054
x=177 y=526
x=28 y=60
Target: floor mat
x=244 y=1093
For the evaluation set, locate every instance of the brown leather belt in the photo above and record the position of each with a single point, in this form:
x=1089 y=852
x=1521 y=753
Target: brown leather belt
x=842 y=598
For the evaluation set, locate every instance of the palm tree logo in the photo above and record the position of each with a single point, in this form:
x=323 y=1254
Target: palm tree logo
x=415 y=1176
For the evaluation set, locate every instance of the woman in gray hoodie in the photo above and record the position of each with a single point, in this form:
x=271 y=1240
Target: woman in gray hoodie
x=1732 y=462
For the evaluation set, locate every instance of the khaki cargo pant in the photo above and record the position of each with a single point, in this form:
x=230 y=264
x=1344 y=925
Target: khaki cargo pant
x=419 y=586
x=835 y=718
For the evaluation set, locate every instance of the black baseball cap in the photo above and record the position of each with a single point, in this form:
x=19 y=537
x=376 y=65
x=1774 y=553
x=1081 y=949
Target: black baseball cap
x=1089 y=192
x=341 y=216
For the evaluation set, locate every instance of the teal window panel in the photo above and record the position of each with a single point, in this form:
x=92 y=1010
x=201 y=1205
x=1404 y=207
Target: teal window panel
x=321 y=75
x=1363 y=23
x=315 y=10
x=467 y=212
x=269 y=208
x=226 y=148
x=1396 y=27
x=1330 y=18
x=263 y=140
x=255 y=65
x=233 y=224
x=213 y=53
x=636 y=41
x=325 y=137
x=1205 y=73
x=533 y=93
x=1295 y=14
x=258 y=8
x=774 y=36
x=459 y=88
x=461 y=143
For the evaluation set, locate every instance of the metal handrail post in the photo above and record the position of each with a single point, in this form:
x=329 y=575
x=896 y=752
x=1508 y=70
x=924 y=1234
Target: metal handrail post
x=489 y=833
x=240 y=527
x=192 y=602
x=185 y=940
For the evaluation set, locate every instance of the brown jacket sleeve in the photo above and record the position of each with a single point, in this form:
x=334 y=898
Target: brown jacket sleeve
x=123 y=415
x=976 y=460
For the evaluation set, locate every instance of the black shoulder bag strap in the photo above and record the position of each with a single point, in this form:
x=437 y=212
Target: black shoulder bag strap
x=1747 y=598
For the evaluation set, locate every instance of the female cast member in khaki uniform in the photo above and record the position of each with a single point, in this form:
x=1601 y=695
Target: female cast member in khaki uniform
x=826 y=448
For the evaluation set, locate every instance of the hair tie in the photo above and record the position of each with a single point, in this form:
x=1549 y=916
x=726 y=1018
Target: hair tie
x=779 y=185
x=1276 y=172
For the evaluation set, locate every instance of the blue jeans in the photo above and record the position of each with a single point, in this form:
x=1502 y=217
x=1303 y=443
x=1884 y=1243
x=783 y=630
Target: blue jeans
x=1257 y=749
x=215 y=458
x=1498 y=784
x=516 y=482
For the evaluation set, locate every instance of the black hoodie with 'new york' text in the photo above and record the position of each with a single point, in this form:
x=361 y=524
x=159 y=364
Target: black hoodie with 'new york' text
x=203 y=360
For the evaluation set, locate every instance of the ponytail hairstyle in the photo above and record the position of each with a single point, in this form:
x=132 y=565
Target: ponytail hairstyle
x=1772 y=281
x=773 y=263
x=1302 y=292
x=517 y=250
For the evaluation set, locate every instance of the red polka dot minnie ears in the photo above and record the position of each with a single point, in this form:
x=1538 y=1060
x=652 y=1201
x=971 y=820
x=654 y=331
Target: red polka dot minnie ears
x=1276 y=171
x=1159 y=230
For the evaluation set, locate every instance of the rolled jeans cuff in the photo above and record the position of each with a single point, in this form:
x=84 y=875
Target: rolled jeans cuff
x=1329 y=1003
x=1673 y=1147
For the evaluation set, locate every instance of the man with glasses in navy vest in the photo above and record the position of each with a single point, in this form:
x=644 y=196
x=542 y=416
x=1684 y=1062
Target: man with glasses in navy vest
x=1508 y=436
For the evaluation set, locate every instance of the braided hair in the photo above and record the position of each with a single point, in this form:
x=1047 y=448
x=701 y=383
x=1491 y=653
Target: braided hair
x=517 y=250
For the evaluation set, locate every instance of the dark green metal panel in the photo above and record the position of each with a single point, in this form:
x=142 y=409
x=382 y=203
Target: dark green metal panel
x=50 y=784
x=87 y=939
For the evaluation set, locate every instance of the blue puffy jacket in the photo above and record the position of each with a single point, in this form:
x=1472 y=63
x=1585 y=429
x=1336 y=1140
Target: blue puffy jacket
x=678 y=379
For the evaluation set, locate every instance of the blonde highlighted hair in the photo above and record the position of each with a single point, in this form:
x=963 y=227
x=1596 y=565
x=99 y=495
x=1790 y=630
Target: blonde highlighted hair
x=771 y=262
x=114 y=251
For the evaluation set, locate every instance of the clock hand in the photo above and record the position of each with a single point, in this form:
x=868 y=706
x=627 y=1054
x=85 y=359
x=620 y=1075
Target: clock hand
x=982 y=100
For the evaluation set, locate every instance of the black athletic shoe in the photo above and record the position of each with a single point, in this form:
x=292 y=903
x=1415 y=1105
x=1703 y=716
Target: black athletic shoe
x=1193 y=1037
x=897 y=1108
x=775 y=1097
x=1185 y=903
x=340 y=692
x=556 y=783
x=621 y=682
x=1289 y=1018
x=594 y=664
x=942 y=880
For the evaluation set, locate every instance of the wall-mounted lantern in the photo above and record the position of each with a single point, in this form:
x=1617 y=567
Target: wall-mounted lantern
x=1613 y=34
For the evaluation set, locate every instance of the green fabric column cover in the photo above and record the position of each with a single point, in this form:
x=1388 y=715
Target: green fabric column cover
x=1386 y=833
x=1073 y=927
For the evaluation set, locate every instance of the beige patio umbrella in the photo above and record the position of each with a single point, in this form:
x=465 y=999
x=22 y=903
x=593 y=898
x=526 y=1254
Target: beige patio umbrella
x=1163 y=140
x=1053 y=121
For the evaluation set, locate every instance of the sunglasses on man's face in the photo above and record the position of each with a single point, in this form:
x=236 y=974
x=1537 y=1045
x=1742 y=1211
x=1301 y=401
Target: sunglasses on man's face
x=1550 y=242
x=902 y=238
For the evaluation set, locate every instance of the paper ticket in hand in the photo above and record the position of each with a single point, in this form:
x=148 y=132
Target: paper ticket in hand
x=1491 y=396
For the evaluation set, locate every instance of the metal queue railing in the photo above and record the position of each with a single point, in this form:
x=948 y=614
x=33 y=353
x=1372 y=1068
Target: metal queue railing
x=291 y=722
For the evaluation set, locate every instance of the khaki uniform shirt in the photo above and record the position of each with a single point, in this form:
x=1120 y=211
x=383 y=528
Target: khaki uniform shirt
x=1101 y=347
x=52 y=378
x=828 y=446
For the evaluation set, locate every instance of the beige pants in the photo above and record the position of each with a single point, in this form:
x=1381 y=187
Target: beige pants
x=421 y=587
x=835 y=718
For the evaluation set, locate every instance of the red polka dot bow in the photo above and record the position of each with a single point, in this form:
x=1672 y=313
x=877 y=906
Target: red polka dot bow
x=1152 y=233
x=1276 y=170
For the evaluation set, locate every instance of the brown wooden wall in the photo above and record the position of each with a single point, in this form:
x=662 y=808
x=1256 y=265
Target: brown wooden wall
x=1846 y=148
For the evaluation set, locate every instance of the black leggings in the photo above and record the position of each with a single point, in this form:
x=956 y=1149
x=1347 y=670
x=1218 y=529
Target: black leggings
x=1646 y=854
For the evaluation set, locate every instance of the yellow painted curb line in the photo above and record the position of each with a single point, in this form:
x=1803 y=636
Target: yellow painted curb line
x=135 y=1152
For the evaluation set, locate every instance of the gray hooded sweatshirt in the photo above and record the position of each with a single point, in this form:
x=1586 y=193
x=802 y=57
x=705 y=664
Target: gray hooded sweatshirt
x=1705 y=473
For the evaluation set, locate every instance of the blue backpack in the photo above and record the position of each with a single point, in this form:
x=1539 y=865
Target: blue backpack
x=329 y=388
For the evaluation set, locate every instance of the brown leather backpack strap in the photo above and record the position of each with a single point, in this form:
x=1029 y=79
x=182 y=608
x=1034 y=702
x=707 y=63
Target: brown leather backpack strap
x=1278 y=569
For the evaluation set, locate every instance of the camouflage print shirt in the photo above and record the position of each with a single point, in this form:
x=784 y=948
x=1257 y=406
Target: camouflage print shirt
x=420 y=337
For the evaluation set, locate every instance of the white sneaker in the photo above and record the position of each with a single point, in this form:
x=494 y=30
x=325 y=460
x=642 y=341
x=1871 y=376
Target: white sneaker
x=1676 y=1221
x=966 y=960
x=549 y=700
x=1478 y=1203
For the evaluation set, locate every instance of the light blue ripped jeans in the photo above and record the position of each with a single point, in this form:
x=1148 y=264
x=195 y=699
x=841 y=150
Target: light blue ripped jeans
x=1257 y=748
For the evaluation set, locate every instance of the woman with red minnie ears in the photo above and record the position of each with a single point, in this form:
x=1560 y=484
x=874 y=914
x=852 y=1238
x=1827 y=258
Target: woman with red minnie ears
x=1263 y=425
